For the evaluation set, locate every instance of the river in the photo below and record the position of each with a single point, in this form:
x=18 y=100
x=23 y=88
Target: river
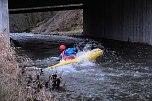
x=122 y=73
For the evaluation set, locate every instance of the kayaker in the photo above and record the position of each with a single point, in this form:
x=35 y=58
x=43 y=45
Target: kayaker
x=67 y=53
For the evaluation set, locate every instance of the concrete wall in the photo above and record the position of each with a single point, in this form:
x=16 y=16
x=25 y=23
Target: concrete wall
x=4 y=18
x=119 y=19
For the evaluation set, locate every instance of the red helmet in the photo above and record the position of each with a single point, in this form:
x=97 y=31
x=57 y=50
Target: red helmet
x=62 y=47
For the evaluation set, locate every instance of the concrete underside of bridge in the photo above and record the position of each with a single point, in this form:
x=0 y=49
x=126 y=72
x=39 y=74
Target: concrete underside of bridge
x=125 y=20
x=27 y=6
x=14 y=4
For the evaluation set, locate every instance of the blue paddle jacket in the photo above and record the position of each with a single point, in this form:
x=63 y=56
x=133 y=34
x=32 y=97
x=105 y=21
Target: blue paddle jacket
x=69 y=53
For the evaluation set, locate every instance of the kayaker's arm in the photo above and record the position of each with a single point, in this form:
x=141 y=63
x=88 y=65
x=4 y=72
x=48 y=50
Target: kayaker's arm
x=59 y=58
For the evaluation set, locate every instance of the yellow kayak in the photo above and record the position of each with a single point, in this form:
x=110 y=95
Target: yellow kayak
x=88 y=56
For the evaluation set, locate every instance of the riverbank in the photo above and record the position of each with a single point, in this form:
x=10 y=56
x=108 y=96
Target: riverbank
x=68 y=21
x=62 y=21
x=11 y=88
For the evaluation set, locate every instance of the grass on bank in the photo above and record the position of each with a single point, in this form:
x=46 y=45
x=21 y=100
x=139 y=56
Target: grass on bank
x=10 y=89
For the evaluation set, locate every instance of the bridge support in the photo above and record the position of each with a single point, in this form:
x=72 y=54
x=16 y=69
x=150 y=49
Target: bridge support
x=125 y=20
x=4 y=19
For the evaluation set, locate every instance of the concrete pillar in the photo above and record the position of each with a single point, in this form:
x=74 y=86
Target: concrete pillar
x=4 y=19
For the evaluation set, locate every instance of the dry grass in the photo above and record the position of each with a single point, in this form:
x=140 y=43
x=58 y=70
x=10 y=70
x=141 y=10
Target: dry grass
x=30 y=94
x=62 y=21
x=8 y=72
x=10 y=90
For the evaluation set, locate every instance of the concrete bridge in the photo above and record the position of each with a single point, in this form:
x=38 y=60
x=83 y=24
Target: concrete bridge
x=125 y=20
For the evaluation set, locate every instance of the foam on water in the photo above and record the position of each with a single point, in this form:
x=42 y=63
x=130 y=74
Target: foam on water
x=87 y=63
x=22 y=34
x=28 y=36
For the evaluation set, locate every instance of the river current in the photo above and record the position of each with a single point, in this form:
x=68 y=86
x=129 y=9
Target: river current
x=122 y=73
